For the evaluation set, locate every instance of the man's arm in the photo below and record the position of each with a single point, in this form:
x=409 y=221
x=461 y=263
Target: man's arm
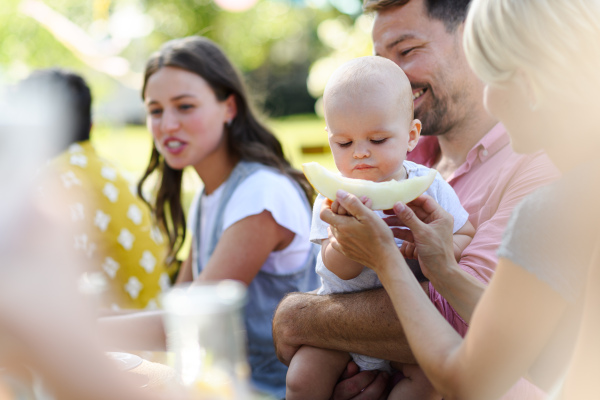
x=360 y=322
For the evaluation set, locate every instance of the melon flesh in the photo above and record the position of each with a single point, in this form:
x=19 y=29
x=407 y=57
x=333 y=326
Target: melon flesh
x=383 y=194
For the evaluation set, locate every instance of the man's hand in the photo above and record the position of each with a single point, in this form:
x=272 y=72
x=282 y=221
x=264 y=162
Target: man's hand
x=365 y=385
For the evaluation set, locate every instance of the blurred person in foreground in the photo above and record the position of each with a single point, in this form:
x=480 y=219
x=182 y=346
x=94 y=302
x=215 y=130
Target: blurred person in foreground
x=539 y=316
x=112 y=227
x=472 y=151
x=47 y=331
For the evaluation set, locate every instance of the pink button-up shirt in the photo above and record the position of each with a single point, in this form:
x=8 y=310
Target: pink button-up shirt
x=491 y=182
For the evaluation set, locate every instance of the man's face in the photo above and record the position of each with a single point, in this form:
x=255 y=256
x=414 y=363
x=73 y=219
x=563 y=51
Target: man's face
x=434 y=61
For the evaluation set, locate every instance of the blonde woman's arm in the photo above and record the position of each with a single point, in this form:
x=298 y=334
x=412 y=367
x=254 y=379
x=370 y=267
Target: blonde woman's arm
x=512 y=323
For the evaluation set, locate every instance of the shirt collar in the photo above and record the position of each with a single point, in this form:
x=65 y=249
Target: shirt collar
x=489 y=145
x=428 y=149
x=496 y=139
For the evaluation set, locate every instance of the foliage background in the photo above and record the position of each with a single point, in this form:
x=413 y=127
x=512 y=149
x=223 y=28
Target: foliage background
x=285 y=48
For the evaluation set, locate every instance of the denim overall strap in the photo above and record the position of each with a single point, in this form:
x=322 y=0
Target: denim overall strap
x=241 y=171
x=264 y=293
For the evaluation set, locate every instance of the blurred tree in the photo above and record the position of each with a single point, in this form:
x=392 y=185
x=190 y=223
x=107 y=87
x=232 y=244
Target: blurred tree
x=23 y=43
x=274 y=43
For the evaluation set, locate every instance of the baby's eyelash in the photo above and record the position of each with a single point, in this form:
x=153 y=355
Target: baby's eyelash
x=378 y=141
x=346 y=144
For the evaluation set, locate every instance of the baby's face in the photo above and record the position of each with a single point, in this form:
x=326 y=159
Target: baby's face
x=369 y=137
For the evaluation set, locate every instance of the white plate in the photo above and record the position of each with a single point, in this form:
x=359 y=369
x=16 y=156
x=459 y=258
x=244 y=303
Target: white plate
x=125 y=361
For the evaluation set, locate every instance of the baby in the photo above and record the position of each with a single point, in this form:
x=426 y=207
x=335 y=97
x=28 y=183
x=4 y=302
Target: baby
x=369 y=116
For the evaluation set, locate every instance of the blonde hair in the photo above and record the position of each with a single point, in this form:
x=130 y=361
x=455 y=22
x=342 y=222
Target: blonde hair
x=555 y=44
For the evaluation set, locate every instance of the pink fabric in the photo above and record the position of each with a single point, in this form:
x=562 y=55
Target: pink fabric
x=489 y=185
x=447 y=311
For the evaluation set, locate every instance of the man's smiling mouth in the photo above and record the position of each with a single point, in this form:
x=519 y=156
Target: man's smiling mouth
x=418 y=94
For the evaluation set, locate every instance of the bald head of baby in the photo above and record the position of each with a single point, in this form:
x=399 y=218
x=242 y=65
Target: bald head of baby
x=365 y=79
x=369 y=119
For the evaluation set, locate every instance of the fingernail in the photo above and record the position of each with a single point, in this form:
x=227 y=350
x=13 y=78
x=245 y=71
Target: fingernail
x=399 y=207
x=342 y=194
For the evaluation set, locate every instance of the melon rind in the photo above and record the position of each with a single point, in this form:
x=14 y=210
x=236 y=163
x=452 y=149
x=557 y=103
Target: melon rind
x=383 y=194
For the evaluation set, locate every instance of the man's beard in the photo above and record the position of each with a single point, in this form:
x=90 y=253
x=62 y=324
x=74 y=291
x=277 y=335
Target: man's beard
x=434 y=117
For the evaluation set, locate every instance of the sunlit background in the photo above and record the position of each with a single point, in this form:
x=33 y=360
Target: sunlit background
x=286 y=49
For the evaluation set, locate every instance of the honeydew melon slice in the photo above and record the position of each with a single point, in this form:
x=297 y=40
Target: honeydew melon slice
x=383 y=194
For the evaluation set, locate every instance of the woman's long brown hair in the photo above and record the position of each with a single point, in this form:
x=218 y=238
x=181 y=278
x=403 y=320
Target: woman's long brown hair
x=247 y=137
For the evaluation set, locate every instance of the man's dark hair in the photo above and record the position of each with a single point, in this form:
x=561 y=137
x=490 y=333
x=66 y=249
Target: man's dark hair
x=451 y=12
x=73 y=91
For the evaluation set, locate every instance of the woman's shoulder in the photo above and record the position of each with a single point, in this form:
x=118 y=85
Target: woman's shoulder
x=569 y=200
x=271 y=181
x=270 y=190
x=553 y=232
x=269 y=175
x=269 y=186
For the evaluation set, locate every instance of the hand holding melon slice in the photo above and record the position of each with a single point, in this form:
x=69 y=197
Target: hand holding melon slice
x=383 y=194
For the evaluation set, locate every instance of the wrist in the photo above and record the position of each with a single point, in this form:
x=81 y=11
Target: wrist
x=394 y=270
x=388 y=260
x=445 y=275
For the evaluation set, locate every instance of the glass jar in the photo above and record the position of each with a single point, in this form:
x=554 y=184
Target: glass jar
x=205 y=331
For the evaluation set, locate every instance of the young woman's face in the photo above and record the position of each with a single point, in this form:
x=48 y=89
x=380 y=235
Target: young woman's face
x=186 y=119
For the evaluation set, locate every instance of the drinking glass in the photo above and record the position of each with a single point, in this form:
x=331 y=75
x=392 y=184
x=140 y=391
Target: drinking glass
x=205 y=331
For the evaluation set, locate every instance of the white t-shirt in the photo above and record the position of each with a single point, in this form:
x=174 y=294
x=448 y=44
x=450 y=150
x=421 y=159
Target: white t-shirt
x=262 y=190
x=440 y=190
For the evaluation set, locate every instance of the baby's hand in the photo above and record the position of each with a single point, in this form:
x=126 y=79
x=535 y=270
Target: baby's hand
x=409 y=250
x=338 y=209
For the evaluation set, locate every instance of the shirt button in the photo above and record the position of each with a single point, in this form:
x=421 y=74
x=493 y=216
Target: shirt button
x=484 y=153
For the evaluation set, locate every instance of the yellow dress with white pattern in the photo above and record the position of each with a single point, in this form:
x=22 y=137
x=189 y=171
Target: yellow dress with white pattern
x=113 y=228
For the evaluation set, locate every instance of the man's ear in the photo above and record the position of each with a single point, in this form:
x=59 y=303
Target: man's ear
x=414 y=134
